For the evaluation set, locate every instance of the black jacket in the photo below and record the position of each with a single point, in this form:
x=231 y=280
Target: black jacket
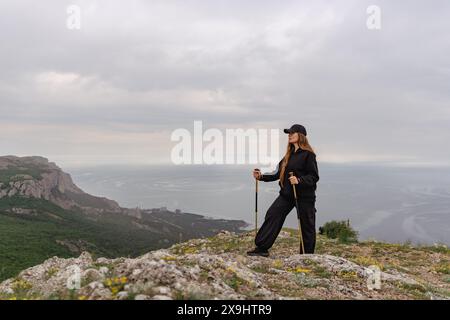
x=304 y=165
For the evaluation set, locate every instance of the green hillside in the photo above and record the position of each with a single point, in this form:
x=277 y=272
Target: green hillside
x=32 y=230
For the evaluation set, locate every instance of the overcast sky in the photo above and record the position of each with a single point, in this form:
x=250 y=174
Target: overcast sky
x=113 y=91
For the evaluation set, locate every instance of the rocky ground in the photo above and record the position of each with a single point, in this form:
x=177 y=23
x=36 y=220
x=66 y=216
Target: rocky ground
x=217 y=268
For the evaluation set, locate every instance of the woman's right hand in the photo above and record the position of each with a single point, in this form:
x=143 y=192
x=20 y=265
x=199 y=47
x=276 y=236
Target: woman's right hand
x=257 y=174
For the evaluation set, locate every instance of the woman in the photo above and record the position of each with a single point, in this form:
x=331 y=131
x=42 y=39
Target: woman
x=301 y=160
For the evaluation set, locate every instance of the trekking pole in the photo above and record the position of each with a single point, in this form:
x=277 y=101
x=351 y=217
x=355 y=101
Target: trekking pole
x=256 y=205
x=300 y=235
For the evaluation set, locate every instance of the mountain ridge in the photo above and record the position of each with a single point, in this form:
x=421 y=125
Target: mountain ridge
x=37 y=177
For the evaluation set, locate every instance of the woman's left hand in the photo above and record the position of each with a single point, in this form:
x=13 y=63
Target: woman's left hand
x=293 y=180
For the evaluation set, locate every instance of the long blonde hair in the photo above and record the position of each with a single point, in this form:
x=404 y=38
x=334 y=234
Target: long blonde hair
x=303 y=144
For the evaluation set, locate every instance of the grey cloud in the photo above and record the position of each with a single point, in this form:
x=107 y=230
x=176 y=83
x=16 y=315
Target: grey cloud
x=149 y=66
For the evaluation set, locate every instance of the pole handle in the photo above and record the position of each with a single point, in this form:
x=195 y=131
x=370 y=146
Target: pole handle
x=256 y=180
x=291 y=174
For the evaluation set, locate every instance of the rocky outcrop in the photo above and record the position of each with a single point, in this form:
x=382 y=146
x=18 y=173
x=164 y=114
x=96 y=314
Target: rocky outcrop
x=38 y=178
x=7 y=161
x=216 y=268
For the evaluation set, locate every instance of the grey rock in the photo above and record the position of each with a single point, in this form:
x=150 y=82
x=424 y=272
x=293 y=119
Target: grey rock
x=122 y=295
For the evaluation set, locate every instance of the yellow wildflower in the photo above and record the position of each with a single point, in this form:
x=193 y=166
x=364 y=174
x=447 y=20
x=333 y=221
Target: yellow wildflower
x=278 y=264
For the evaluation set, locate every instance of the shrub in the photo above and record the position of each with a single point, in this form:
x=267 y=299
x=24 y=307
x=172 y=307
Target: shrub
x=340 y=230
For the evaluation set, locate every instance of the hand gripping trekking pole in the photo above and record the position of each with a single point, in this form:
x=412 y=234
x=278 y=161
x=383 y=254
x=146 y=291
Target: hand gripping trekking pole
x=302 y=247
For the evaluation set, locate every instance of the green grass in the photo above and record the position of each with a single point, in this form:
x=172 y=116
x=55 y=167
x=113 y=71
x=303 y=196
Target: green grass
x=443 y=267
x=322 y=272
x=235 y=282
x=6 y=175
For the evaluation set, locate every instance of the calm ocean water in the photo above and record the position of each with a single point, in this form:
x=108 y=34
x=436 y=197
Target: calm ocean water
x=393 y=204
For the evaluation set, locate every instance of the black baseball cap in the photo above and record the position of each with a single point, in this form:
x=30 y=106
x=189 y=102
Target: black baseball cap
x=296 y=128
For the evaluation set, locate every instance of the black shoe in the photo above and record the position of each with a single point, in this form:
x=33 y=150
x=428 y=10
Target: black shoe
x=258 y=252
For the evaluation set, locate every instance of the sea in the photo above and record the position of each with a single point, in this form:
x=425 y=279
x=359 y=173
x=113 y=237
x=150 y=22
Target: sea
x=385 y=203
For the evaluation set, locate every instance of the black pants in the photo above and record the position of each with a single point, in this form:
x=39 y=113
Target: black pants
x=274 y=220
